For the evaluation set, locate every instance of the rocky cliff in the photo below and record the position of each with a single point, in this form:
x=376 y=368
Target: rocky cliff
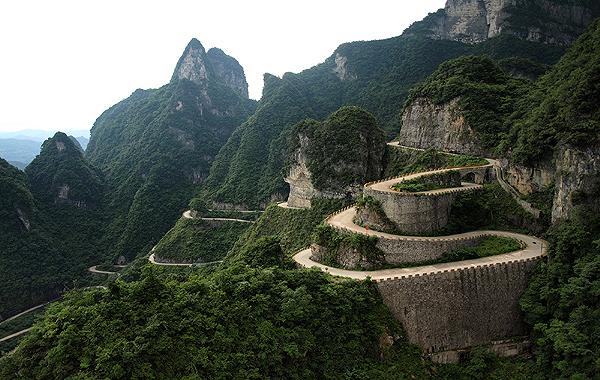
x=547 y=21
x=441 y=127
x=577 y=180
x=201 y=67
x=334 y=158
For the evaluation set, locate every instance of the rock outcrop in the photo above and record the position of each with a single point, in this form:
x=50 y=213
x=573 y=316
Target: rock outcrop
x=228 y=71
x=442 y=127
x=199 y=66
x=319 y=165
x=577 y=181
x=545 y=21
x=527 y=179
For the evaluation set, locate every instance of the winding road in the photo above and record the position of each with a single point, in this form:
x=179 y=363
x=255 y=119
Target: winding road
x=533 y=247
x=499 y=177
x=188 y=215
x=18 y=333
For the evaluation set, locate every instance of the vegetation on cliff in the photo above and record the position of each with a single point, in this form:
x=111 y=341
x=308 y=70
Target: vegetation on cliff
x=486 y=94
x=346 y=149
x=31 y=267
x=377 y=76
x=197 y=240
x=430 y=182
x=562 y=107
x=47 y=241
x=252 y=320
x=293 y=228
x=562 y=303
x=400 y=161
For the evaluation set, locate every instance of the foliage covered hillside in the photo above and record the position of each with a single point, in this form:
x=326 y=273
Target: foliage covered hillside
x=375 y=75
x=198 y=241
x=157 y=145
x=32 y=267
x=486 y=94
x=562 y=302
x=61 y=166
x=253 y=320
x=71 y=193
x=562 y=108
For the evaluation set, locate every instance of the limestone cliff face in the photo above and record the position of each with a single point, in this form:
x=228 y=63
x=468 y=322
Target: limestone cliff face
x=546 y=21
x=192 y=64
x=442 y=127
x=302 y=189
x=334 y=158
x=577 y=181
x=526 y=179
x=199 y=66
x=228 y=71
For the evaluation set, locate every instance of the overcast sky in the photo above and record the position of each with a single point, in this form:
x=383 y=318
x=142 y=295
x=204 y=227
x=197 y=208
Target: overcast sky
x=64 y=62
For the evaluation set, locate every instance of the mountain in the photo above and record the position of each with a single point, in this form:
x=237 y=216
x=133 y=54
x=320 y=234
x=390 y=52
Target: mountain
x=462 y=107
x=22 y=148
x=52 y=224
x=256 y=315
x=319 y=163
x=32 y=268
x=60 y=174
x=375 y=75
x=157 y=145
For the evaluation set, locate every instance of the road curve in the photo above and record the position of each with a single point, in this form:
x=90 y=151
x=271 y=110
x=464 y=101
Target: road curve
x=152 y=259
x=188 y=215
x=285 y=205
x=9 y=337
x=499 y=176
x=533 y=247
x=26 y=312
x=94 y=270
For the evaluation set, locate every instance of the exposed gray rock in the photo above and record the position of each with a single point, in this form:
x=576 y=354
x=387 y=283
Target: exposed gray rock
x=577 y=181
x=442 y=127
x=23 y=219
x=550 y=22
x=228 y=71
x=192 y=65
x=200 y=66
x=302 y=189
x=527 y=180
x=341 y=68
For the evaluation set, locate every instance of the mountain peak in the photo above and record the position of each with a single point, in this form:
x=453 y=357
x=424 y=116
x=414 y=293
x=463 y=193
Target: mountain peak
x=60 y=142
x=192 y=64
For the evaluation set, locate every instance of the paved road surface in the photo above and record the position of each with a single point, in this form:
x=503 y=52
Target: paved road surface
x=188 y=215
x=9 y=337
x=533 y=247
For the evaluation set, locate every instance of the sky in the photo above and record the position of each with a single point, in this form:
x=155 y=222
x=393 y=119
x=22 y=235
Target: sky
x=64 y=62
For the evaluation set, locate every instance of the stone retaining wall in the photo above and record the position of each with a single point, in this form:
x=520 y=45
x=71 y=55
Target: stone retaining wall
x=449 y=311
x=404 y=250
x=416 y=213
